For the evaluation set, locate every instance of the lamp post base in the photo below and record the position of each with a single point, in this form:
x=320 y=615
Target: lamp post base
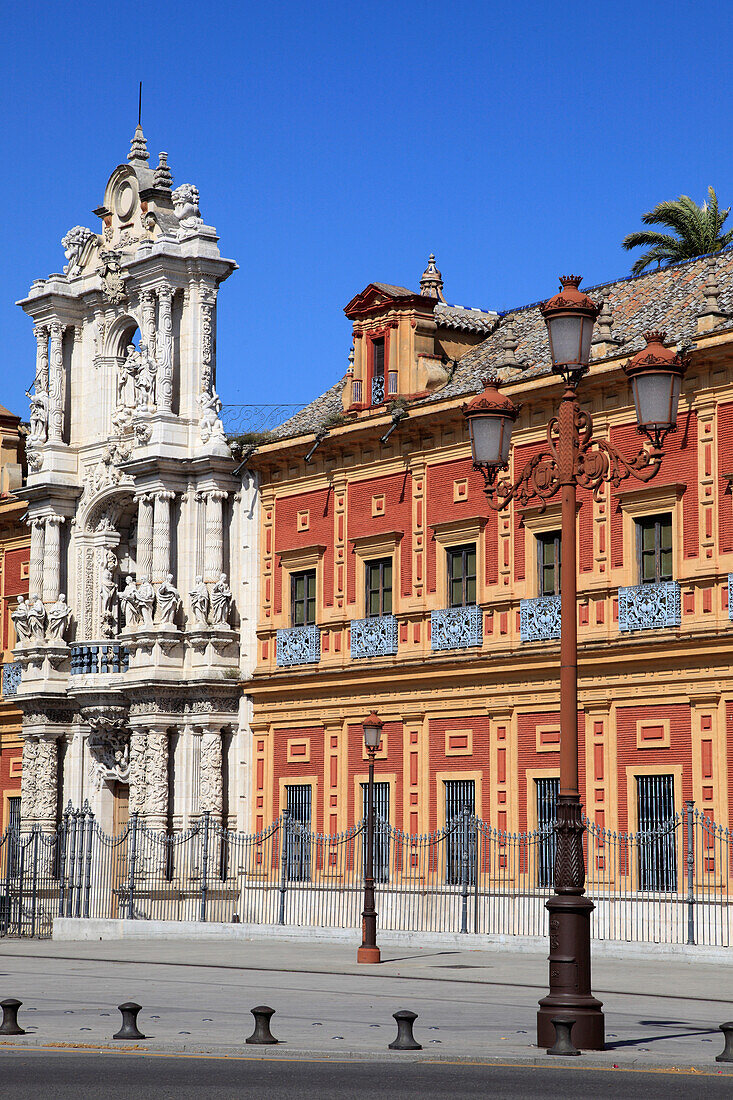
x=368 y=955
x=570 y=986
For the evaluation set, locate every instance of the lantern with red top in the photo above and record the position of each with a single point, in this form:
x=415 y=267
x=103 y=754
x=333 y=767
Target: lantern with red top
x=655 y=374
x=569 y=316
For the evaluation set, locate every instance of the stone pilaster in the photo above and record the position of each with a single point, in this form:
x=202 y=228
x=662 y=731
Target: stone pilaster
x=147 y=328
x=162 y=535
x=56 y=385
x=144 y=536
x=210 y=782
x=156 y=776
x=46 y=776
x=214 y=549
x=38 y=537
x=164 y=349
x=41 y=334
x=138 y=752
x=28 y=781
x=52 y=559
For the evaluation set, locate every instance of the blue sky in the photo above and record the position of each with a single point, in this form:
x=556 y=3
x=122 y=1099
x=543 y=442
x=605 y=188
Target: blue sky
x=334 y=145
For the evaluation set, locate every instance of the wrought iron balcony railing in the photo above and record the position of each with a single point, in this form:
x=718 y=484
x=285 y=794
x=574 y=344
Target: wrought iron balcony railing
x=456 y=628
x=539 y=618
x=375 y=637
x=377 y=390
x=104 y=657
x=11 y=677
x=298 y=645
x=649 y=606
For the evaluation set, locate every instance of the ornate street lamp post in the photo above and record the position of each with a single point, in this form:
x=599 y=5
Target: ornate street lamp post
x=572 y=458
x=369 y=952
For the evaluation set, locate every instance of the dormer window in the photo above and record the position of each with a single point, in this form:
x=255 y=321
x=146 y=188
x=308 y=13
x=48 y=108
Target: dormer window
x=378 y=370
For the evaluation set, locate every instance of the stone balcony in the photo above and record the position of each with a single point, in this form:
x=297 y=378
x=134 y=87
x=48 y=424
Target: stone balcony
x=539 y=619
x=649 y=606
x=99 y=657
x=298 y=645
x=374 y=637
x=456 y=628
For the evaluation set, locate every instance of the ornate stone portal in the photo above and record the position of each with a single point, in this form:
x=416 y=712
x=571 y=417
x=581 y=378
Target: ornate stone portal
x=128 y=682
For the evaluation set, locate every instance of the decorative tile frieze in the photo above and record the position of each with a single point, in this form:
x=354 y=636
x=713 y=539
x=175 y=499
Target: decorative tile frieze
x=298 y=645
x=539 y=618
x=649 y=606
x=456 y=628
x=374 y=637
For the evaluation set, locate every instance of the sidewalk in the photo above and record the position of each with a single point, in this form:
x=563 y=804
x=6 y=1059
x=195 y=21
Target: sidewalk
x=472 y=1004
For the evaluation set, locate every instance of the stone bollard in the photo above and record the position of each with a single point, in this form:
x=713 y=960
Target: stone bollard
x=262 y=1034
x=405 y=1039
x=563 y=1026
x=726 y=1054
x=10 y=1025
x=129 y=1029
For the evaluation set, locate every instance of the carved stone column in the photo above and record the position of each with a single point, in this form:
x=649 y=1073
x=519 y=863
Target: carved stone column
x=210 y=774
x=214 y=551
x=144 y=535
x=156 y=774
x=56 y=385
x=138 y=787
x=41 y=334
x=162 y=535
x=147 y=328
x=164 y=354
x=38 y=537
x=28 y=781
x=208 y=305
x=46 y=774
x=52 y=559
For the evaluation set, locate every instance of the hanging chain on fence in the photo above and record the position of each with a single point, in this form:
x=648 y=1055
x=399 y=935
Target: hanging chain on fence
x=668 y=883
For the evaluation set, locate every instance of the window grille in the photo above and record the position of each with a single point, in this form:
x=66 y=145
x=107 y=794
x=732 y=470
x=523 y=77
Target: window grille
x=547 y=794
x=657 y=845
x=460 y=802
x=299 y=808
x=381 y=836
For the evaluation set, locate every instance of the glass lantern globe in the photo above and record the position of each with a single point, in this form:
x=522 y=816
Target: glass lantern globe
x=569 y=317
x=655 y=374
x=490 y=417
x=372 y=727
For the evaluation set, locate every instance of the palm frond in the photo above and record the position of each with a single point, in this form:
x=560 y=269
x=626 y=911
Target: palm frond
x=697 y=229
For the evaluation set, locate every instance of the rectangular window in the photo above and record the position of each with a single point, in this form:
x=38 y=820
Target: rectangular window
x=462 y=576
x=381 y=829
x=460 y=839
x=657 y=832
x=548 y=560
x=298 y=839
x=654 y=548
x=378 y=371
x=547 y=794
x=303 y=598
x=378 y=587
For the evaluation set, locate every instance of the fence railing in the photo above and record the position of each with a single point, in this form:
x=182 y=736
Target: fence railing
x=669 y=884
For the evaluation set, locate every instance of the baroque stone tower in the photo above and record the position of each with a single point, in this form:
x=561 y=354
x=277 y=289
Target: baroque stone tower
x=136 y=629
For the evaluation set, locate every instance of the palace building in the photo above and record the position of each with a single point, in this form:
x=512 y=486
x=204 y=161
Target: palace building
x=387 y=583
x=134 y=633
x=14 y=569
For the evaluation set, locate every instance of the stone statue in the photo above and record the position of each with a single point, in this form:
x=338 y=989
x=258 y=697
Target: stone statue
x=37 y=618
x=108 y=596
x=169 y=600
x=130 y=603
x=140 y=366
x=200 y=602
x=146 y=601
x=209 y=422
x=74 y=245
x=38 y=416
x=221 y=600
x=186 y=206
x=58 y=618
x=20 y=618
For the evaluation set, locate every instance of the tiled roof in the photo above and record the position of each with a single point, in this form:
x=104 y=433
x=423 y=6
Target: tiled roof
x=395 y=291
x=670 y=299
x=465 y=319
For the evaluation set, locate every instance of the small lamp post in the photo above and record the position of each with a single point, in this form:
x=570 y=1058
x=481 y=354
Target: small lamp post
x=369 y=952
x=572 y=458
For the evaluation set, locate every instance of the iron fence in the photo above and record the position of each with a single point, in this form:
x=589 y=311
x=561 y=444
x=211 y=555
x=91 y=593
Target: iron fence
x=466 y=877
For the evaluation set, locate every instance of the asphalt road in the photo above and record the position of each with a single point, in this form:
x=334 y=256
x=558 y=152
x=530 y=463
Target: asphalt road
x=88 y=1076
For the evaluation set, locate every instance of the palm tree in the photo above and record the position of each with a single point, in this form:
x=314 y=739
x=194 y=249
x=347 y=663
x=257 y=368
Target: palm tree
x=698 y=230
